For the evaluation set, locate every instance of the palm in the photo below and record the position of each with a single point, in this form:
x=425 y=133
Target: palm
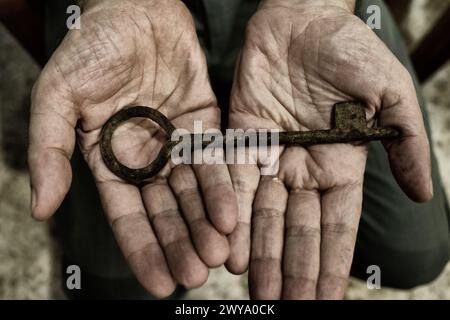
x=148 y=54
x=304 y=220
x=293 y=85
x=113 y=63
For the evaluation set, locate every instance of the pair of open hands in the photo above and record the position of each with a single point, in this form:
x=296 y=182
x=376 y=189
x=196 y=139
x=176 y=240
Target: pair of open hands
x=295 y=230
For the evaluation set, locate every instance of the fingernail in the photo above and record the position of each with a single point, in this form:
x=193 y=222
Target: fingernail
x=33 y=200
x=431 y=189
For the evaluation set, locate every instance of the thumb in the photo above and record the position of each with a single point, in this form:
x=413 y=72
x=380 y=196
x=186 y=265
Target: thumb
x=409 y=156
x=51 y=143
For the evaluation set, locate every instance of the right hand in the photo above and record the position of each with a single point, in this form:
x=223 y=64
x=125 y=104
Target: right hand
x=297 y=229
x=135 y=53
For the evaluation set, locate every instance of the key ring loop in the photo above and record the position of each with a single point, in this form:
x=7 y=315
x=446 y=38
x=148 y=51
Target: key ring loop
x=135 y=176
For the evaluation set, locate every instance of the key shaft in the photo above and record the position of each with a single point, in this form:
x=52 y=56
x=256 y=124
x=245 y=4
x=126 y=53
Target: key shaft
x=348 y=124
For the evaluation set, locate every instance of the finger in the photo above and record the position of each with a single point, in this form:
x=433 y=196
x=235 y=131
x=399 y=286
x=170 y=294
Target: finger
x=52 y=140
x=341 y=210
x=218 y=194
x=409 y=156
x=125 y=211
x=265 y=277
x=209 y=243
x=245 y=180
x=184 y=263
x=301 y=259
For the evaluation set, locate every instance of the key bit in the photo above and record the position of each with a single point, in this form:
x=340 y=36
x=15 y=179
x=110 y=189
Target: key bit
x=348 y=124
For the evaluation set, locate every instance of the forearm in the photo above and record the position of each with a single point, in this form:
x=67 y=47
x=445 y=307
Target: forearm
x=345 y=4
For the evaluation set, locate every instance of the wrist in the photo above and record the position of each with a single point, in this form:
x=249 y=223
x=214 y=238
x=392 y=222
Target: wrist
x=348 y=5
x=92 y=4
x=84 y=3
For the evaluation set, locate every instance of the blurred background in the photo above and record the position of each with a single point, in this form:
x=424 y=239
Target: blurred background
x=29 y=257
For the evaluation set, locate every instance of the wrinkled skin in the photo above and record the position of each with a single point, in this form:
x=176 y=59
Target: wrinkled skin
x=135 y=53
x=297 y=229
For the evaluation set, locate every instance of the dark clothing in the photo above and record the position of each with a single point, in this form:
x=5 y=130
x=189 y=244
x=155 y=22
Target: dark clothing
x=410 y=242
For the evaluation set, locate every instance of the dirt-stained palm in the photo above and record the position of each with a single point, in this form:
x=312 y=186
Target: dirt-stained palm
x=298 y=228
x=135 y=53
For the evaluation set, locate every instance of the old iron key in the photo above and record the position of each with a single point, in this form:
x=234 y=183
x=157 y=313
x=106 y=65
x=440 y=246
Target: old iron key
x=348 y=125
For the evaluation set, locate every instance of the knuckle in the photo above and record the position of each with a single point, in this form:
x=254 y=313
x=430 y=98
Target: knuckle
x=268 y=213
x=339 y=229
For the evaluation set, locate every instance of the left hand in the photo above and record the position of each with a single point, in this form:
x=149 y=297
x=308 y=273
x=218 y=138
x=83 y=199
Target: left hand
x=135 y=52
x=299 y=59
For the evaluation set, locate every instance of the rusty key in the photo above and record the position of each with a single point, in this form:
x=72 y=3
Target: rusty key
x=348 y=125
